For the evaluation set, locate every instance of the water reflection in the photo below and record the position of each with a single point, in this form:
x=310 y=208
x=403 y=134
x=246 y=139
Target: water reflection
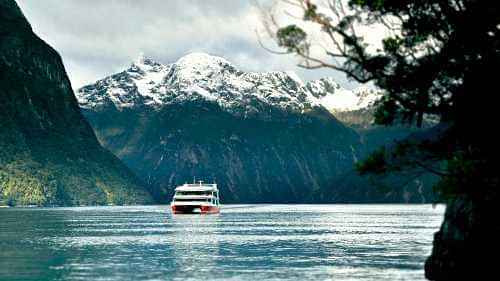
x=195 y=246
x=246 y=242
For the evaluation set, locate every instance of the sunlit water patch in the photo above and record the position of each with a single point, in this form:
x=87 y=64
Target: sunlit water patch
x=244 y=242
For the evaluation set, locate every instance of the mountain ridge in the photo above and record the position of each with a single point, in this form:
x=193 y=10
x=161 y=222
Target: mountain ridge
x=199 y=75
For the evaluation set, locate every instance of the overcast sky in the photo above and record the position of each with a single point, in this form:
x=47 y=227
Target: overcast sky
x=97 y=38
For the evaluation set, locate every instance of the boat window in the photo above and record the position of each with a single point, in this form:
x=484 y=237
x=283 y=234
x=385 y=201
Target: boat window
x=193 y=193
x=190 y=200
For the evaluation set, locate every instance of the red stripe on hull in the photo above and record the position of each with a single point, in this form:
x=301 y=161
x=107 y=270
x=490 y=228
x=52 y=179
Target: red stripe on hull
x=209 y=210
x=195 y=210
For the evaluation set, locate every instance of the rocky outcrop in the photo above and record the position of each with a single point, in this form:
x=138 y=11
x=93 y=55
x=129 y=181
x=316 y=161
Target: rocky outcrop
x=49 y=154
x=466 y=245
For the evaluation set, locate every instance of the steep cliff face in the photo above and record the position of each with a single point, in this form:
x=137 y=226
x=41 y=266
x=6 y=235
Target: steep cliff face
x=284 y=159
x=49 y=154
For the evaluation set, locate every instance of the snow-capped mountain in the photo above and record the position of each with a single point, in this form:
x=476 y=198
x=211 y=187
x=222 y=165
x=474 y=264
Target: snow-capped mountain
x=332 y=96
x=265 y=137
x=202 y=76
x=262 y=136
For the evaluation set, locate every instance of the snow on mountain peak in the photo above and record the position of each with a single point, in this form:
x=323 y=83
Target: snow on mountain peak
x=203 y=76
x=146 y=64
x=202 y=59
x=333 y=97
x=194 y=67
x=366 y=96
x=322 y=87
x=295 y=77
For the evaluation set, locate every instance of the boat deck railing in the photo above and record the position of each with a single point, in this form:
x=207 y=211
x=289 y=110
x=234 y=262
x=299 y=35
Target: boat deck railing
x=200 y=184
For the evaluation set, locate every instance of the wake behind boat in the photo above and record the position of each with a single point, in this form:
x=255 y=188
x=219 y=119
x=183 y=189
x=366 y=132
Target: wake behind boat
x=196 y=198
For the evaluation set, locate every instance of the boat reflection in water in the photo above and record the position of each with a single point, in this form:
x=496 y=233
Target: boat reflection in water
x=196 y=248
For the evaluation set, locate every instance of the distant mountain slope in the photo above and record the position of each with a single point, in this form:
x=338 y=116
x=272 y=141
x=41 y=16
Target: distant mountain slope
x=264 y=137
x=49 y=154
x=356 y=109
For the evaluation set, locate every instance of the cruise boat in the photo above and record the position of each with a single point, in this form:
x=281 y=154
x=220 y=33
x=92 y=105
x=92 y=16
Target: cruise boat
x=196 y=198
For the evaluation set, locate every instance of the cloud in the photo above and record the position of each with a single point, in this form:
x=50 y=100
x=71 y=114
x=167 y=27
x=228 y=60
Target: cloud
x=97 y=38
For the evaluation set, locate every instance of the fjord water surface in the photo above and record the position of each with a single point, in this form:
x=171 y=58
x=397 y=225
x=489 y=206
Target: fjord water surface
x=244 y=242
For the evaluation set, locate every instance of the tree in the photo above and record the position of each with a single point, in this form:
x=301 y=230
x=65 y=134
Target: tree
x=438 y=58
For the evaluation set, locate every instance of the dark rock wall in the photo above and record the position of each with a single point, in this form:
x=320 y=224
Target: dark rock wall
x=49 y=154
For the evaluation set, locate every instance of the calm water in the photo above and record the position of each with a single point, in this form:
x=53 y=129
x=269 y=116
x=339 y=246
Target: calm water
x=244 y=242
